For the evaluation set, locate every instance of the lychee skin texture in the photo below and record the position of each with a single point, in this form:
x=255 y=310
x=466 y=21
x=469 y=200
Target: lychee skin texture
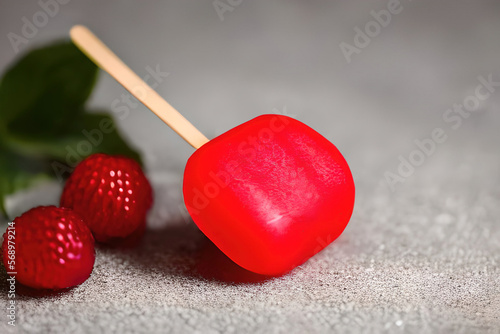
x=111 y=193
x=54 y=248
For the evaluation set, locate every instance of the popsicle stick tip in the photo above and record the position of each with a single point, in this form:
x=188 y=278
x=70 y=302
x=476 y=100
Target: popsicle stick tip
x=77 y=30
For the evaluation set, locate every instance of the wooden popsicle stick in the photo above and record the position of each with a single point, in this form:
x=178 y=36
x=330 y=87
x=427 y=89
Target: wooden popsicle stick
x=102 y=56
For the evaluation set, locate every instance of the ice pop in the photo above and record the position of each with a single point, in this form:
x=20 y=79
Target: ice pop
x=269 y=193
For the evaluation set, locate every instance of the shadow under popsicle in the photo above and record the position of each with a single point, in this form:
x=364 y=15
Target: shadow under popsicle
x=214 y=264
x=180 y=249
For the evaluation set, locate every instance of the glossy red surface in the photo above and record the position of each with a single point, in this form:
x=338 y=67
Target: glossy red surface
x=270 y=193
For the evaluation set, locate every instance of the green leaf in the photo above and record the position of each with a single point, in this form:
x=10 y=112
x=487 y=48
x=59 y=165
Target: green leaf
x=91 y=125
x=44 y=91
x=17 y=173
x=43 y=120
x=89 y=133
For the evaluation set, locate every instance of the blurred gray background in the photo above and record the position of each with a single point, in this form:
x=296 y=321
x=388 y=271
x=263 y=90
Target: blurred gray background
x=421 y=255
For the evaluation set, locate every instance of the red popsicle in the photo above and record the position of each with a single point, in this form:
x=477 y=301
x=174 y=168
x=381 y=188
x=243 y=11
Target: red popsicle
x=270 y=193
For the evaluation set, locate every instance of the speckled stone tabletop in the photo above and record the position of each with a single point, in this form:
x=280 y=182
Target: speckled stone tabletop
x=422 y=251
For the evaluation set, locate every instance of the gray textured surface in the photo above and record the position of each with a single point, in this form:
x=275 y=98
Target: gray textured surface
x=424 y=258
